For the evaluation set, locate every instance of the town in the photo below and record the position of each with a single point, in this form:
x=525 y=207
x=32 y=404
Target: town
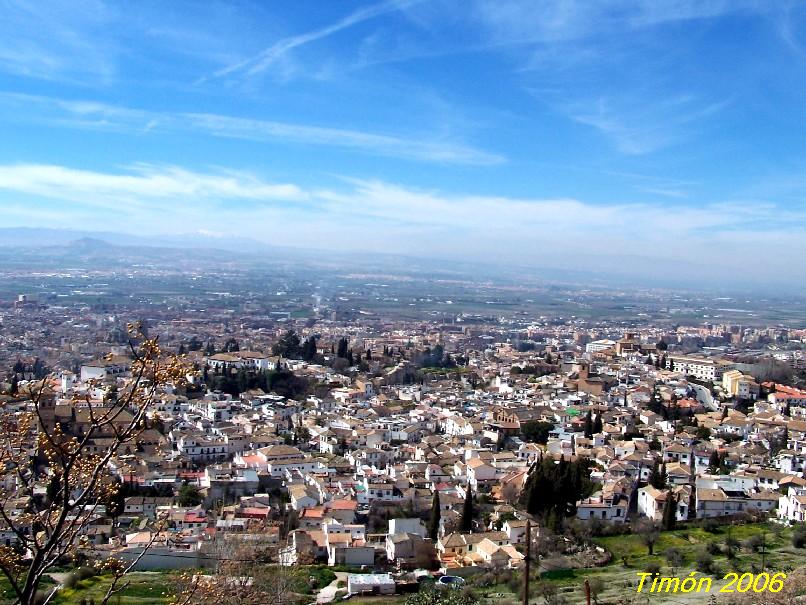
x=396 y=449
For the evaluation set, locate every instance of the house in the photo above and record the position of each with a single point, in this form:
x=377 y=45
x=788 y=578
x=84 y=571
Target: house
x=379 y=583
x=678 y=473
x=410 y=550
x=407 y=526
x=478 y=472
x=677 y=452
x=717 y=502
x=515 y=529
x=792 y=506
x=144 y=506
x=652 y=501
x=303 y=496
x=609 y=507
x=342 y=549
x=342 y=510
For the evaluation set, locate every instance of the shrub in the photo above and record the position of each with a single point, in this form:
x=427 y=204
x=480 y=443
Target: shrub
x=799 y=537
x=652 y=568
x=731 y=544
x=753 y=543
x=711 y=526
x=70 y=580
x=673 y=557
x=705 y=562
x=712 y=548
x=84 y=573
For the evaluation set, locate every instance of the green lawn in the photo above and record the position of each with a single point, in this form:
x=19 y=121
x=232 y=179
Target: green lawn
x=690 y=541
x=145 y=588
x=618 y=581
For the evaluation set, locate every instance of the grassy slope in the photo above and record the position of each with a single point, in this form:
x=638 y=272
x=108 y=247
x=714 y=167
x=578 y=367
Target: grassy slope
x=147 y=588
x=619 y=581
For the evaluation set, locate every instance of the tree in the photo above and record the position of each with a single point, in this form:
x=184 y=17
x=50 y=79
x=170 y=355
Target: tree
x=598 y=425
x=673 y=557
x=648 y=532
x=466 y=522
x=244 y=574
x=588 y=425
x=669 y=519
x=536 y=431
x=79 y=464
x=714 y=462
x=656 y=477
x=436 y=515
x=433 y=596
x=556 y=487
x=309 y=348
x=597 y=587
x=341 y=350
x=231 y=346
x=188 y=495
x=287 y=346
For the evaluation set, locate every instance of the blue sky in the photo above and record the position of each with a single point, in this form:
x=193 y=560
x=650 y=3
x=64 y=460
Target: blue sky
x=646 y=135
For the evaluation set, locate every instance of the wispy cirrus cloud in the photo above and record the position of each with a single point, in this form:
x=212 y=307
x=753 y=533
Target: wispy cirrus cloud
x=637 y=128
x=56 y=42
x=101 y=116
x=270 y=56
x=520 y=22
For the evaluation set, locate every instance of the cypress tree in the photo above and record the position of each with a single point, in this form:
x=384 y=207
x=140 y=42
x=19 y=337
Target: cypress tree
x=655 y=477
x=436 y=514
x=714 y=462
x=669 y=512
x=588 y=425
x=466 y=523
x=598 y=425
x=342 y=348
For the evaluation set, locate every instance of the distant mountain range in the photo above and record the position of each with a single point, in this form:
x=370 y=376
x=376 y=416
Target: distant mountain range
x=611 y=271
x=30 y=237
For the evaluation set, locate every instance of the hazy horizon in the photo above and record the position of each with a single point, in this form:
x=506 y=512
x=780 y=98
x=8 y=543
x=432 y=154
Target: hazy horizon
x=656 y=140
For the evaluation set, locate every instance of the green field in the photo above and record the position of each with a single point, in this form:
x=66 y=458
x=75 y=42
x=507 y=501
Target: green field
x=616 y=580
x=145 y=588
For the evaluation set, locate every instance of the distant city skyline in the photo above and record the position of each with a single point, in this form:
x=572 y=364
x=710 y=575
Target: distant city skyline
x=625 y=135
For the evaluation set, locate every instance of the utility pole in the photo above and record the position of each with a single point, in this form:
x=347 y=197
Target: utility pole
x=526 y=562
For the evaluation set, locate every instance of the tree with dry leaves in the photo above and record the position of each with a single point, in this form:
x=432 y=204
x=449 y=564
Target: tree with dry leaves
x=41 y=454
x=243 y=572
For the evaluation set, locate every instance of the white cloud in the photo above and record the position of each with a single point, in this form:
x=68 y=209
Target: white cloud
x=750 y=238
x=94 y=115
x=280 y=49
x=58 y=42
x=143 y=186
x=637 y=126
